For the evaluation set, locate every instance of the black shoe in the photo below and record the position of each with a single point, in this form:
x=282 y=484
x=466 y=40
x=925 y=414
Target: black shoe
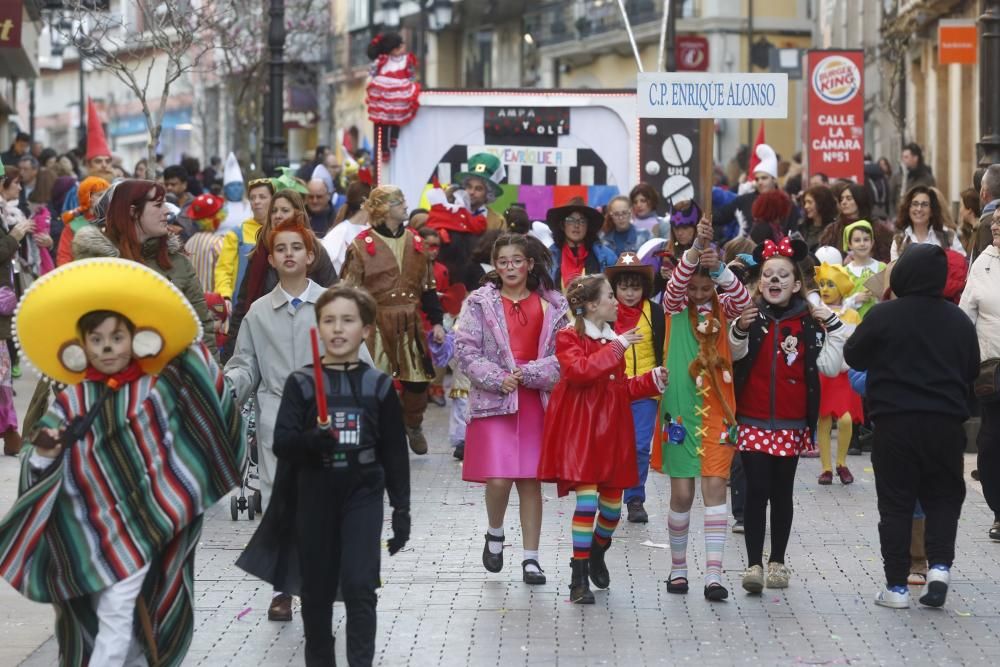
x=854 y=451
x=459 y=452
x=995 y=531
x=599 y=574
x=677 y=585
x=491 y=561
x=716 y=593
x=579 y=588
x=532 y=578
x=636 y=512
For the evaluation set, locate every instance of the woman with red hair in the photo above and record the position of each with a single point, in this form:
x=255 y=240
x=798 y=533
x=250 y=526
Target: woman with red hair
x=137 y=227
x=770 y=210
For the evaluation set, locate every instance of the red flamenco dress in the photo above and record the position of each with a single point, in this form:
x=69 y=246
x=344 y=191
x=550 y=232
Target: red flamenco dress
x=392 y=95
x=589 y=438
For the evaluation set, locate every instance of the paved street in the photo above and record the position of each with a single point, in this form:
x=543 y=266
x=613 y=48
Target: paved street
x=439 y=606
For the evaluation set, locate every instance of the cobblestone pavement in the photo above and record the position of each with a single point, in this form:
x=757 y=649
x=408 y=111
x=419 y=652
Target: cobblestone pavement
x=439 y=606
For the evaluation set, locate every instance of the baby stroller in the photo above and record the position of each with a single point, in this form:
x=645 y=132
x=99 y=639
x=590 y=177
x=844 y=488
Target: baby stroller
x=241 y=502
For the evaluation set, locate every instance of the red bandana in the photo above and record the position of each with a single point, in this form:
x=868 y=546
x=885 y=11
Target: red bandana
x=131 y=372
x=572 y=265
x=628 y=317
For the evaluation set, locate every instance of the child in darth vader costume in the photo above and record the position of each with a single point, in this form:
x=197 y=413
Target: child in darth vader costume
x=336 y=458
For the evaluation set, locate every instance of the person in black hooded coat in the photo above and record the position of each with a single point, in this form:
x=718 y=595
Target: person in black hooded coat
x=922 y=355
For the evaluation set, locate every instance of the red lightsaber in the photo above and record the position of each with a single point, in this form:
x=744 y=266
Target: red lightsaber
x=322 y=414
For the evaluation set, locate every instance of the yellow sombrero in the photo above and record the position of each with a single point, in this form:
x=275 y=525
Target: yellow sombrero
x=45 y=320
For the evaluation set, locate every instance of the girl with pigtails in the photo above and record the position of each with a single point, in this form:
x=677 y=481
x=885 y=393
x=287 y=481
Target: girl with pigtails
x=588 y=445
x=505 y=342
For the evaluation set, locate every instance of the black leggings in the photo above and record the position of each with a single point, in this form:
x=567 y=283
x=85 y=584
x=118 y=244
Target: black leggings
x=768 y=479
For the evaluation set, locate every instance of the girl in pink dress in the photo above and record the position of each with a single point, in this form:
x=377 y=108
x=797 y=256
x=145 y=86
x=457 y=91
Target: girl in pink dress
x=505 y=344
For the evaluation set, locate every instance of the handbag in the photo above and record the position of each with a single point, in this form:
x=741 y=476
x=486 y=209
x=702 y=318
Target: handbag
x=987 y=384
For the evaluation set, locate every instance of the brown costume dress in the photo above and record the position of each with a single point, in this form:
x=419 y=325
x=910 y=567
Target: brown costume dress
x=398 y=274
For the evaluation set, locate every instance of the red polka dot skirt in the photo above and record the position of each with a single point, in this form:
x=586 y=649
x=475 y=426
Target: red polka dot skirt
x=782 y=442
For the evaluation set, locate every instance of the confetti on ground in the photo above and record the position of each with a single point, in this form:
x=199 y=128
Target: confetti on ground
x=869 y=469
x=655 y=545
x=964 y=613
x=239 y=616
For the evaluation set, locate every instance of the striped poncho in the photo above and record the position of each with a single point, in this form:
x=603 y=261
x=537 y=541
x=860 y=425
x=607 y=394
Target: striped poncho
x=162 y=450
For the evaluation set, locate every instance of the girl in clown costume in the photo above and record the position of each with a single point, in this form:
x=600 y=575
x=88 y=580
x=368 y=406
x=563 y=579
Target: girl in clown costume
x=837 y=401
x=116 y=478
x=696 y=411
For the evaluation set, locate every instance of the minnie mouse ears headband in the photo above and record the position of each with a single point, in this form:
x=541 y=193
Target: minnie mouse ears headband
x=794 y=250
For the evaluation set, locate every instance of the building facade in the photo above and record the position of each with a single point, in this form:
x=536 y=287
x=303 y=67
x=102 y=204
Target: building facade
x=20 y=22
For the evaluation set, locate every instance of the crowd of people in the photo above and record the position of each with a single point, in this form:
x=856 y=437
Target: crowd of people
x=583 y=350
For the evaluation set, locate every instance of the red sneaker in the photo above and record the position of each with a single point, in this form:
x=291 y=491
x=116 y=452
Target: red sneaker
x=845 y=475
x=825 y=478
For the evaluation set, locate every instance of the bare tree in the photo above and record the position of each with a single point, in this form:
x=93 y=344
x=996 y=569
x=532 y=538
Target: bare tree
x=241 y=56
x=897 y=32
x=172 y=36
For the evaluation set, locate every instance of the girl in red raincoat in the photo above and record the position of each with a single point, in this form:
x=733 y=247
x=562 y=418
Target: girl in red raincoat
x=588 y=445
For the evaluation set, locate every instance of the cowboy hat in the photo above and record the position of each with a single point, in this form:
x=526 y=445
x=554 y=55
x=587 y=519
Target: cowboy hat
x=555 y=217
x=629 y=262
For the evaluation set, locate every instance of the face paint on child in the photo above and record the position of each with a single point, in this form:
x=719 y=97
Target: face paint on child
x=777 y=281
x=512 y=266
x=109 y=346
x=828 y=292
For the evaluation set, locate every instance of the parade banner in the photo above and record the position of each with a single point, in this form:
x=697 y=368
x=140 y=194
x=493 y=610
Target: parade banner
x=526 y=126
x=712 y=95
x=555 y=145
x=836 y=111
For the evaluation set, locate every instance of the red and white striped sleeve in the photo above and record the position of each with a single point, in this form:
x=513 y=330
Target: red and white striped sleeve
x=675 y=295
x=733 y=295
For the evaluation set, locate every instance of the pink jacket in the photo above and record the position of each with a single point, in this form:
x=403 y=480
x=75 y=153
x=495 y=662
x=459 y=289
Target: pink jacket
x=482 y=348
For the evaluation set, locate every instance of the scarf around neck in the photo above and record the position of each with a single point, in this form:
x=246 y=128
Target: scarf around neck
x=572 y=264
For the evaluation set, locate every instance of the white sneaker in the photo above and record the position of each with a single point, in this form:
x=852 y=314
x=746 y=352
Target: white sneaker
x=892 y=599
x=936 y=589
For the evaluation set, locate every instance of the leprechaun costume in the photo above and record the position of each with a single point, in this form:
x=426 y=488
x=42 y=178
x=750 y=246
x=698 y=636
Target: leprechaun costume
x=148 y=450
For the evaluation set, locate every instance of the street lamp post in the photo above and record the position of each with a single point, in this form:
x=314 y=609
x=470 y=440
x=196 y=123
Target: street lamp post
x=988 y=148
x=274 y=138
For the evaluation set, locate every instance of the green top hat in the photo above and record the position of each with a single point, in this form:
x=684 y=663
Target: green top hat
x=487 y=167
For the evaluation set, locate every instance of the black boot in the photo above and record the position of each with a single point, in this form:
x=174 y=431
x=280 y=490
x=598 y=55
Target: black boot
x=598 y=568
x=579 y=588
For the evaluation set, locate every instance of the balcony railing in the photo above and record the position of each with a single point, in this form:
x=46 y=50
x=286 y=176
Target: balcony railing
x=556 y=22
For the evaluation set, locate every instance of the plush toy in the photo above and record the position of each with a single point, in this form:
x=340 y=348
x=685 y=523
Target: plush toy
x=708 y=361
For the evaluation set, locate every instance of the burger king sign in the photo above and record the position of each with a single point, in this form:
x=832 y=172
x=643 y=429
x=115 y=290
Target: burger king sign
x=836 y=114
x=836 y=79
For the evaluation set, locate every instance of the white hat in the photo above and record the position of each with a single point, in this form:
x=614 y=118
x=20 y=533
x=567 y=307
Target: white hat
x=320 y=172
x=768 y=161
x=232 y=172
x=828 y=255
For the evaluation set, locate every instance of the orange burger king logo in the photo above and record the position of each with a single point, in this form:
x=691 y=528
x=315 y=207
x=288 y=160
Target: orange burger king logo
x=836 y=79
